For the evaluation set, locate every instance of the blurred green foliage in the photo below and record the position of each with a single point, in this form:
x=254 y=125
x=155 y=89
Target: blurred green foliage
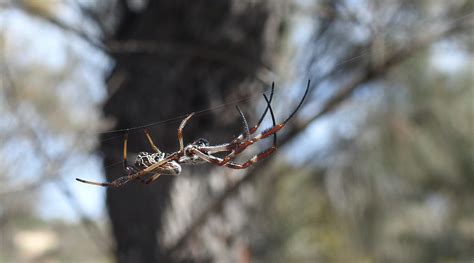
x=400 y=189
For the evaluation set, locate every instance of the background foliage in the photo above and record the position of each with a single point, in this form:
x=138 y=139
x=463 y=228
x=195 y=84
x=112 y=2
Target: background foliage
x=377 y=166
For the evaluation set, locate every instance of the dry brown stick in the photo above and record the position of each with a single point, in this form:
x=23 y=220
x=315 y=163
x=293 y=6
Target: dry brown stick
x=369 y=74
x=264 y=74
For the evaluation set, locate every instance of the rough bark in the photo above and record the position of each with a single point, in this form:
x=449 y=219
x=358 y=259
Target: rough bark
x=159 y=85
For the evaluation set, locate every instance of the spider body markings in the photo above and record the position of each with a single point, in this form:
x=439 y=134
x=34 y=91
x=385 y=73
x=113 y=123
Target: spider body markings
x=146 y=159
x=199 y=151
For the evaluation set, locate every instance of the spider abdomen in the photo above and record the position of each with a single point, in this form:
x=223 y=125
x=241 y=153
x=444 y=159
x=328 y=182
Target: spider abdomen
x=199 y=151
x=146 y=159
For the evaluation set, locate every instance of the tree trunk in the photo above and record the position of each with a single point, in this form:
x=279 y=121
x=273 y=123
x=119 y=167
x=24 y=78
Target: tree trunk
x=186 y=56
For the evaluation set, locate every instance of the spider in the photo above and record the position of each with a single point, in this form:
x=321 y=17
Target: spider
x=199 y=151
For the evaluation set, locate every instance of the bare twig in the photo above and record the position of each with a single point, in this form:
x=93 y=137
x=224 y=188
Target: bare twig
x=264 y=74
x=91 y=228
x=363 y=77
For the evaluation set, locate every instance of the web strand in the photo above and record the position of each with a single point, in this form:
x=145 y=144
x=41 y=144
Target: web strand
x=136 y=129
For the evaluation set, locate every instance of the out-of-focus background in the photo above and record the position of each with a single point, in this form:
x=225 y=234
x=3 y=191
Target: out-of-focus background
x=378 y=165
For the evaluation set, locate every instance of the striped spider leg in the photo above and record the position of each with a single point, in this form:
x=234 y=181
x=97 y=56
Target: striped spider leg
x=205 y=152
x=199 y=151
x=182 y=156
x=158 y=162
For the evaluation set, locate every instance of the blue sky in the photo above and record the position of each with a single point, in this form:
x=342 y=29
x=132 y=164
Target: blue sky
x=47 y=45
x=31 y=41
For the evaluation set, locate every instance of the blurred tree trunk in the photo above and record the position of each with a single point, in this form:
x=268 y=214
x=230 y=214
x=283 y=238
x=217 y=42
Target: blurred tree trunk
x=186 y=56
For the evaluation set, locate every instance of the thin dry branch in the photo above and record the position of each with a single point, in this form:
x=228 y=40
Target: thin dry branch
x=344 y=93
x=53 y=174
x=264 y=74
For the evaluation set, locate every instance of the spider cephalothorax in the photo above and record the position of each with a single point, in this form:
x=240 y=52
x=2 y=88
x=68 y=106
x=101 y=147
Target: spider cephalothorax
x=199 y=151
x=189 y=157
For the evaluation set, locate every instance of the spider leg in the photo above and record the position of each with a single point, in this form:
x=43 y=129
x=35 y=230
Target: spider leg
x=236 y=150
x=244 y=122
x=219 y=161
x=153 y=146
x=275 y=128
x=115 y=183
x=229 y=147
x=255 y=127
x=142 y=180
x=180 y=131
x=273 y=119
x=150 y=140
x=226 y=162
x=152 y=178
x=168 y=168
x=125 y=140
x=131 y=174
x=119 y=181
x=128 y=169
x=266 y=133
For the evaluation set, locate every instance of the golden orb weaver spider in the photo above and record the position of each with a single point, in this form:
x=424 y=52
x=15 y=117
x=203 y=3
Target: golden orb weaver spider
x=199 y=151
